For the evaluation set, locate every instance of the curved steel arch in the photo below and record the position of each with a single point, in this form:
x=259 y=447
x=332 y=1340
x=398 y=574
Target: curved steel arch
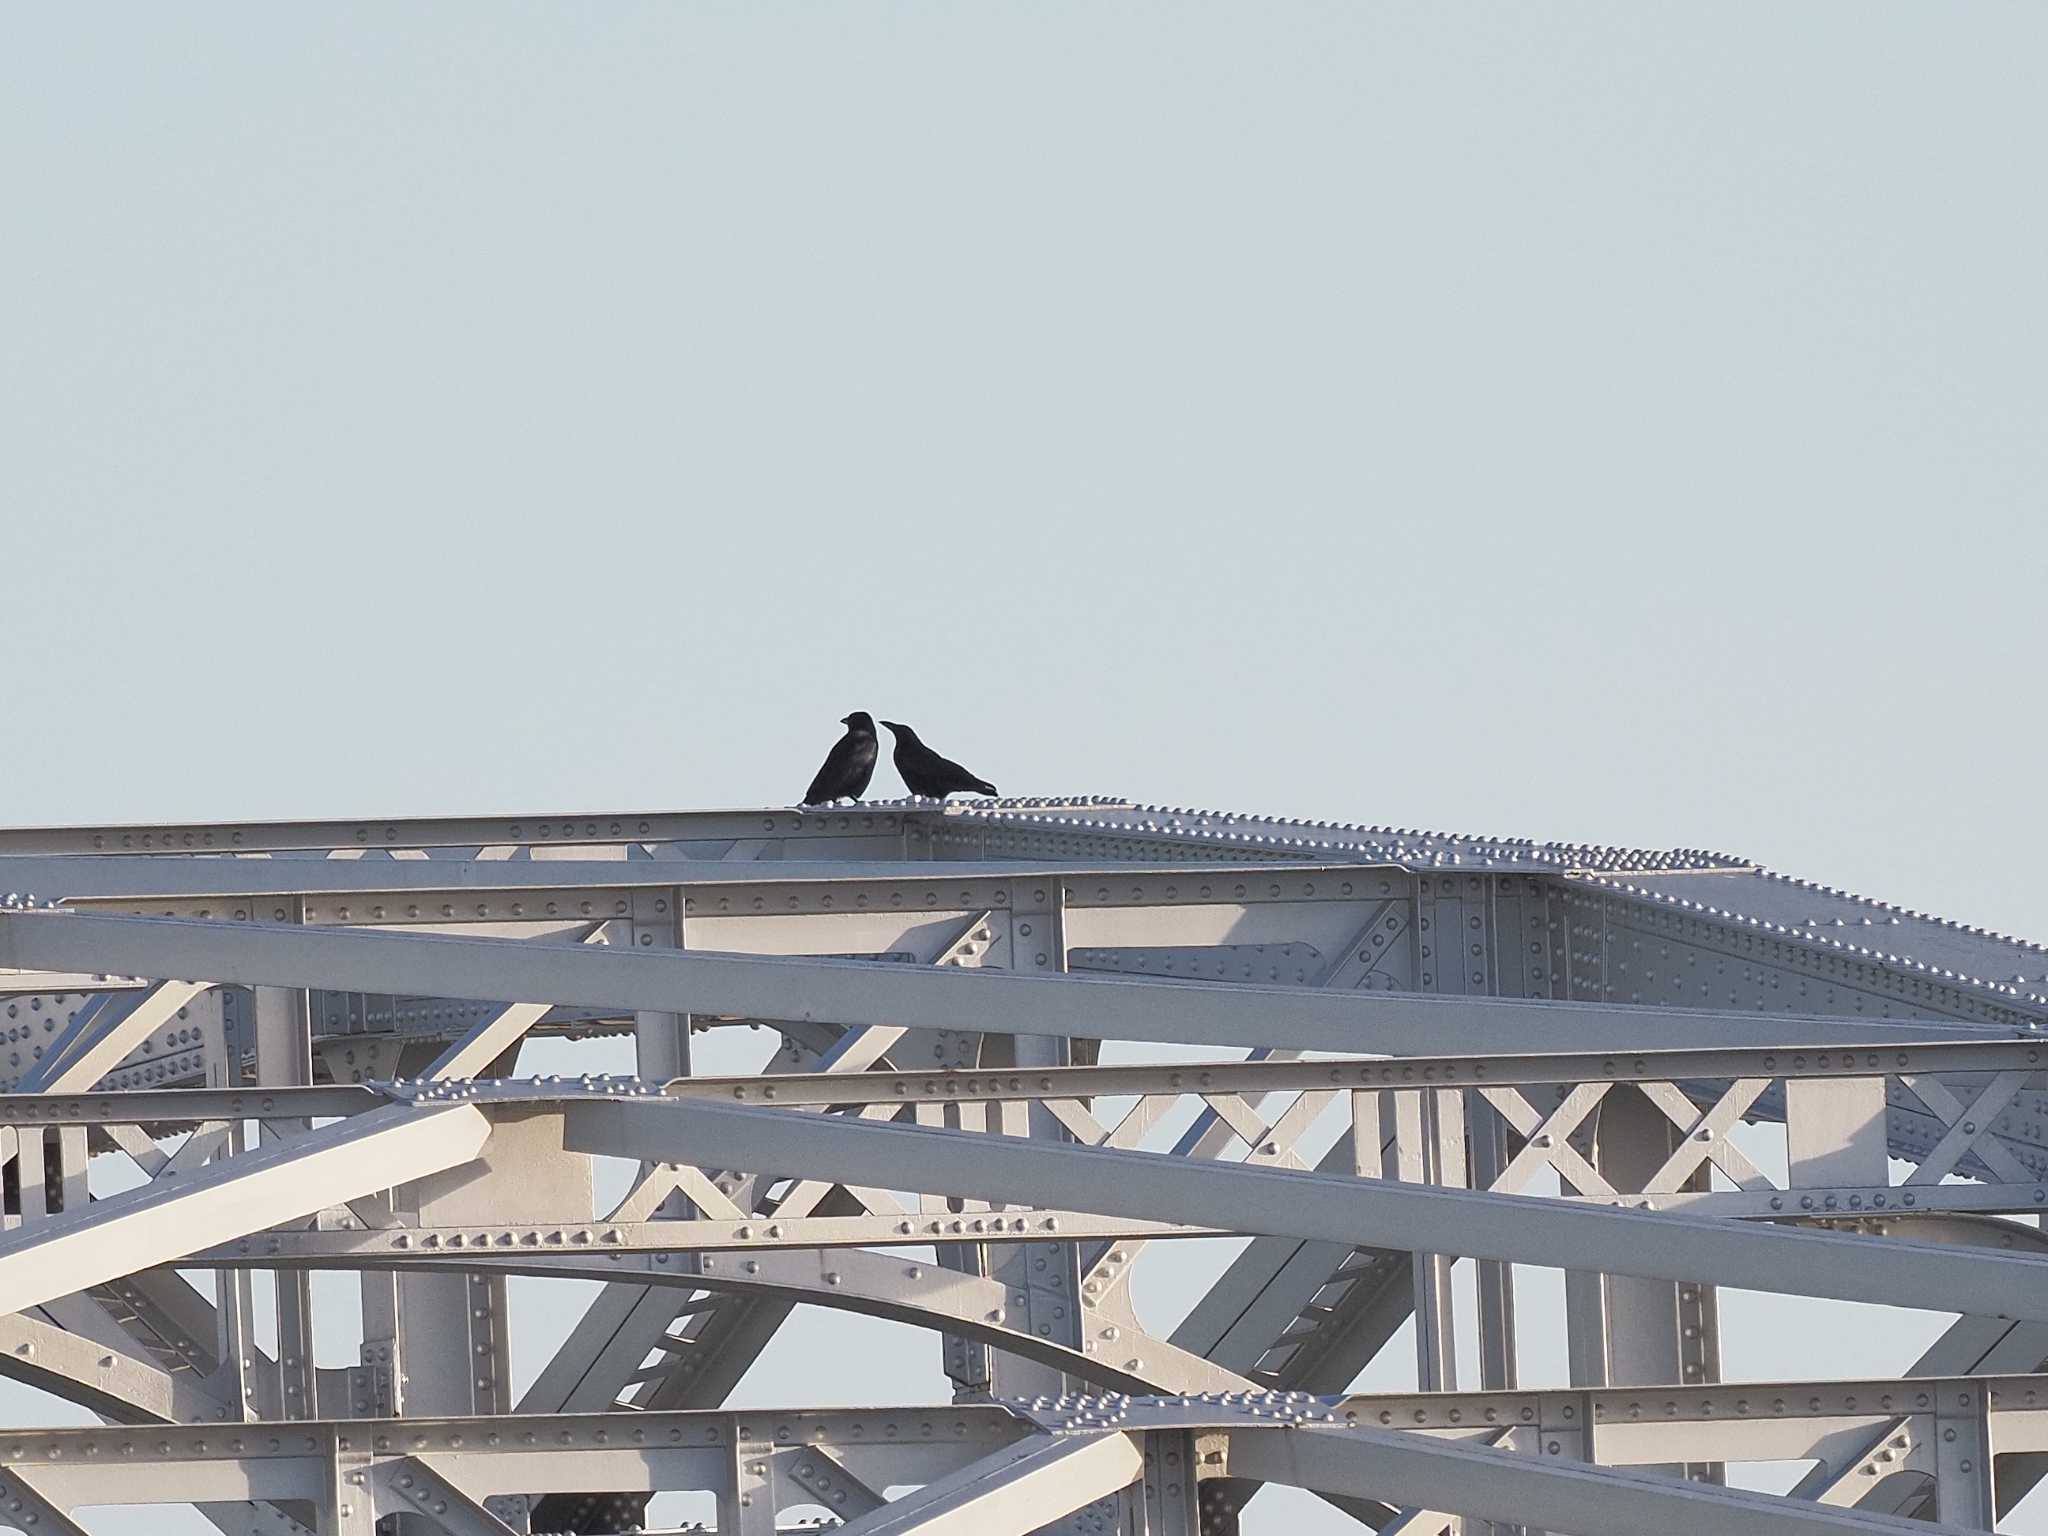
x=918 y=1293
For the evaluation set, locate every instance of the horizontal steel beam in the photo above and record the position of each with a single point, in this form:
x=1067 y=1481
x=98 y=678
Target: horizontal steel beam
x=2017 y=1406
x=851 y=992
x=409 y=832
x=1506 y=1069
x=120 y=881
x=1097 y=822
x=1643 y=1426
x=28 y=983
x=483 y=1242
x=177 y=1106
x=1336 y=1444
x=1022 y=1480
x=514 y=1454
x=487 y=1242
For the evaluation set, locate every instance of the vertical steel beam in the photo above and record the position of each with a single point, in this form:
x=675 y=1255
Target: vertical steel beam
x=1627 y=1330
x=348 y=1506
x=1166 y=1500
x=1495 y=1287
x=245 y=1377
x=376 y=1386
x=1429 y=1143
x=661 y=1041
x=281 y=1026
x=1045 y=1278
x=1965 y=1493
x=746 y=1504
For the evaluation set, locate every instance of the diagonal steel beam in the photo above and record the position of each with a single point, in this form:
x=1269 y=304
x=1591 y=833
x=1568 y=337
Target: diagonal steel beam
x=490 y=1039
x=1418 y=1218
x=998 y=1002
x=625 y=1323
x=96 y=1041
x=24 y=1506
x=1553 y=1494
x=122 y=1390
x=1846 y=1478
x=148 y=1226
x=110 y=1382
x=1018 y=1490
x=420 y=1485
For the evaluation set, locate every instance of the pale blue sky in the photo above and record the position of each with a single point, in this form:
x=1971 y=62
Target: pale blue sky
x=1618 y=422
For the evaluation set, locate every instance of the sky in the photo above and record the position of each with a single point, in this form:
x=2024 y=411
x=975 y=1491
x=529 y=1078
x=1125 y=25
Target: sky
x=1619 y=422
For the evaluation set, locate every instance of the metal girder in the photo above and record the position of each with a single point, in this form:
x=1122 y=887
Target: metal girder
x=487 y=1041
x=120 y=1390
x=1592 y=933
x=1290 y=1204
x=1017 y=1490
x=420 y=1485
x=927 y=1295
x=152 y=1225
x=1104 y=826
x=728 y=1230
x=645 y=1452
x=883 y=1285
x=114 y=1384
x=1853 y=954
x=23 y=1506
x=1342 y=1446
x=168 y=887
x=188 y=1106
x=398 y=1246
x=601 y=1364
x=1554 y=1494
x=1255 y=1310
x=1492 y=1070
x=99 y=1038
x=1681 y=886
x=1547 y=1139
x=421 y=832
x=937 y=998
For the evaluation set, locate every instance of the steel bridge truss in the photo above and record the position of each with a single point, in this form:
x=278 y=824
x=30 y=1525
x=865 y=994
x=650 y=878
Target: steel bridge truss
x=1017 y=1048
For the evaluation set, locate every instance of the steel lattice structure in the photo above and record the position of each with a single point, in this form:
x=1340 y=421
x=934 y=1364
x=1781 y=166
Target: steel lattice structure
x=264 y=1050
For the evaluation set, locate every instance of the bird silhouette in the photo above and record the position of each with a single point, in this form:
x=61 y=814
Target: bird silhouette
x=928 y=774
x=850 y=763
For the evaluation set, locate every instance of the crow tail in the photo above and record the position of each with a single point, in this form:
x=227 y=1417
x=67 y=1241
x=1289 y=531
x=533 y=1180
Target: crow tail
x=986 y=788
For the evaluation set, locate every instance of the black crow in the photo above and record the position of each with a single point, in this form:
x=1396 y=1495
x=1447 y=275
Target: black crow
x=928 y=774
x=850 y=763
